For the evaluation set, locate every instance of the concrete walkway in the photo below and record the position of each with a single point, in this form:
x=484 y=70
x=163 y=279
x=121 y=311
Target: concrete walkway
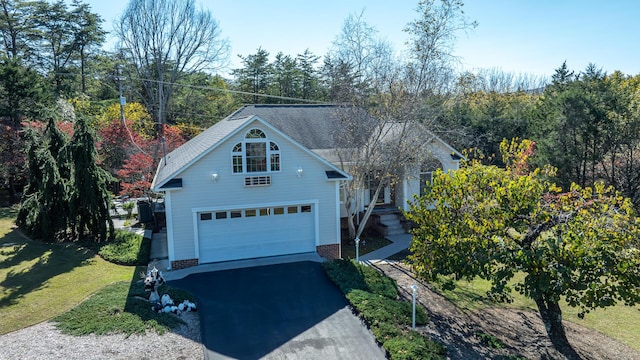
x=400 y=242
x=159 y=255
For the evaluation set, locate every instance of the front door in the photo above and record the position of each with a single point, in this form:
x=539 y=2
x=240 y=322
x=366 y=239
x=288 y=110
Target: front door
x=385 y=196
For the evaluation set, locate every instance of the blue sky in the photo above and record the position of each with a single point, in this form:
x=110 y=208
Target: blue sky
x=519 y=36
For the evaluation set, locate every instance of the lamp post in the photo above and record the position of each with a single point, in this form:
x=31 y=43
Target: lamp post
x=358 y=249
x=414 y=289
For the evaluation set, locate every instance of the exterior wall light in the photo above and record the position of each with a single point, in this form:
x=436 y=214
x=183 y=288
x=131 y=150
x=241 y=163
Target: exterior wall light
x=299 y=171
x=214 y=176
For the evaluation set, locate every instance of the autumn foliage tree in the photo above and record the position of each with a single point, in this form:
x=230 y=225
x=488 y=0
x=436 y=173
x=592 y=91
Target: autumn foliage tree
x=581 y=245
x=132 y=158
x=136 y=175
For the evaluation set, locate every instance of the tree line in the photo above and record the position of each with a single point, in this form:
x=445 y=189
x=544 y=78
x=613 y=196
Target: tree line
x=584 y=123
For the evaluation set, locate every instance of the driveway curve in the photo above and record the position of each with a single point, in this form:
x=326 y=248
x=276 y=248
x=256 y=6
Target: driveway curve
x=283 y=311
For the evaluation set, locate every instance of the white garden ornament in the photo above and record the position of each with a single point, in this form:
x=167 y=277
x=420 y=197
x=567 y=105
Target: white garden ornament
x=152 y=282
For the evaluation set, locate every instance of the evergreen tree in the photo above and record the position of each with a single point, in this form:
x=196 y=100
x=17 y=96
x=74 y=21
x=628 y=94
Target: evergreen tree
x=44 y=209
x=90 y=198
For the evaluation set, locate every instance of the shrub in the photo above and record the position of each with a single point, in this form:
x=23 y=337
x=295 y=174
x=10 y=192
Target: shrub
x=376 y=309
x=349 y=275
x=128 y=207
x=413 y=345
x=490 y=340
x=385 y=331
x=127 y=248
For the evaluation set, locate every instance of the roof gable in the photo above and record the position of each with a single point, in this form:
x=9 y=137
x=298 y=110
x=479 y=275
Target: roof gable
x=193 y=150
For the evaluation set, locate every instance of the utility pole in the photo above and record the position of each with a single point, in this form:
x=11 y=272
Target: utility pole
x=123 y=100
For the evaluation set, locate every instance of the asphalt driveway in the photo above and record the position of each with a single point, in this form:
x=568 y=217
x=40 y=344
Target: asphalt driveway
x=290 y=311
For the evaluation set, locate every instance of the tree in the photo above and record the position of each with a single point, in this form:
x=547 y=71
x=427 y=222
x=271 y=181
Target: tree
x=310 y=81
x=369 y=58
x=90 y=200
x=576 y=127
x=201 y=101
x=166 y=40
x=432 y=36
x=255 y=76
x=286 y=76
x=22 y=91
x=44 y=211
x=88 y=36
x=57 y=42
x=377 y=146
x=18 y=29
x=582 y=245
x=136 y=175
x=12 y=159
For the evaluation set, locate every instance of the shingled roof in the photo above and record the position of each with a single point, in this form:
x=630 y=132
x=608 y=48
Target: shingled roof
x=312 y=126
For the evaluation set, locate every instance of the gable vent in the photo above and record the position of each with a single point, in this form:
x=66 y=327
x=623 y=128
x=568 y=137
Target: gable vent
x=257 y=181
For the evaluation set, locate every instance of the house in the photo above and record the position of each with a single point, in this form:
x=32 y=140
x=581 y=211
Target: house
x=263 y=182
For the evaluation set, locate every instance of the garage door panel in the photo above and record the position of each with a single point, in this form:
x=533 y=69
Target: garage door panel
x=225 y=238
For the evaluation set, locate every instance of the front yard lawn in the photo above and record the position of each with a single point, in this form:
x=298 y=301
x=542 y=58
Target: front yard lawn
x=40 y=282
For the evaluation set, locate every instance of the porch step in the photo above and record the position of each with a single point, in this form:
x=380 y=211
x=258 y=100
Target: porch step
x=388 y=218
x=392 y=223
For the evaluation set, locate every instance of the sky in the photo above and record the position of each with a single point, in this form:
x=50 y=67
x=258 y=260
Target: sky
x=531 y=37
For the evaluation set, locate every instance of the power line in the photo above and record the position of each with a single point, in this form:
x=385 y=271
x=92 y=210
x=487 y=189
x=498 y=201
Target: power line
x=202 y=87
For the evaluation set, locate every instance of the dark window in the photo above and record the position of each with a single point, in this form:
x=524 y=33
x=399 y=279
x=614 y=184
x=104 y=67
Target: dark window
x=250 y=213
x=236 y=214
x=205 y=216
x=292 y=209
x=278 y=211
x=221 y=215
x=305 y=208
x=256 y=153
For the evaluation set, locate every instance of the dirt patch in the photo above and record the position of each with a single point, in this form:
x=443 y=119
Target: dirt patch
x=520 y=332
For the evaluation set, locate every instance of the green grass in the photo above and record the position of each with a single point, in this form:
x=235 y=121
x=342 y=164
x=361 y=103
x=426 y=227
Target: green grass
x=374 y=296
x=120 y=308
x=370 y=244
x=127 y=248
x=350 y=276
x=619 y=322
x=39 y=281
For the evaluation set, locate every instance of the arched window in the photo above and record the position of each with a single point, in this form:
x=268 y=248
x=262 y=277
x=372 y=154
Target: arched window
x=275 y=156
x=237 y=158
x=252 y=155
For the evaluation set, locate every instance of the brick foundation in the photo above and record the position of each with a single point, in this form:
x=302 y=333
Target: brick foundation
x=182 y=264
x=329 y=252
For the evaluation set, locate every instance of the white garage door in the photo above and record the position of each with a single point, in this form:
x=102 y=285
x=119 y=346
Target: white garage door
x=255 y=232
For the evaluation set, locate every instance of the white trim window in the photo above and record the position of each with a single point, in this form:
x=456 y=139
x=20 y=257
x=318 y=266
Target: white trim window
x=255 y=154
x=426 y=174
